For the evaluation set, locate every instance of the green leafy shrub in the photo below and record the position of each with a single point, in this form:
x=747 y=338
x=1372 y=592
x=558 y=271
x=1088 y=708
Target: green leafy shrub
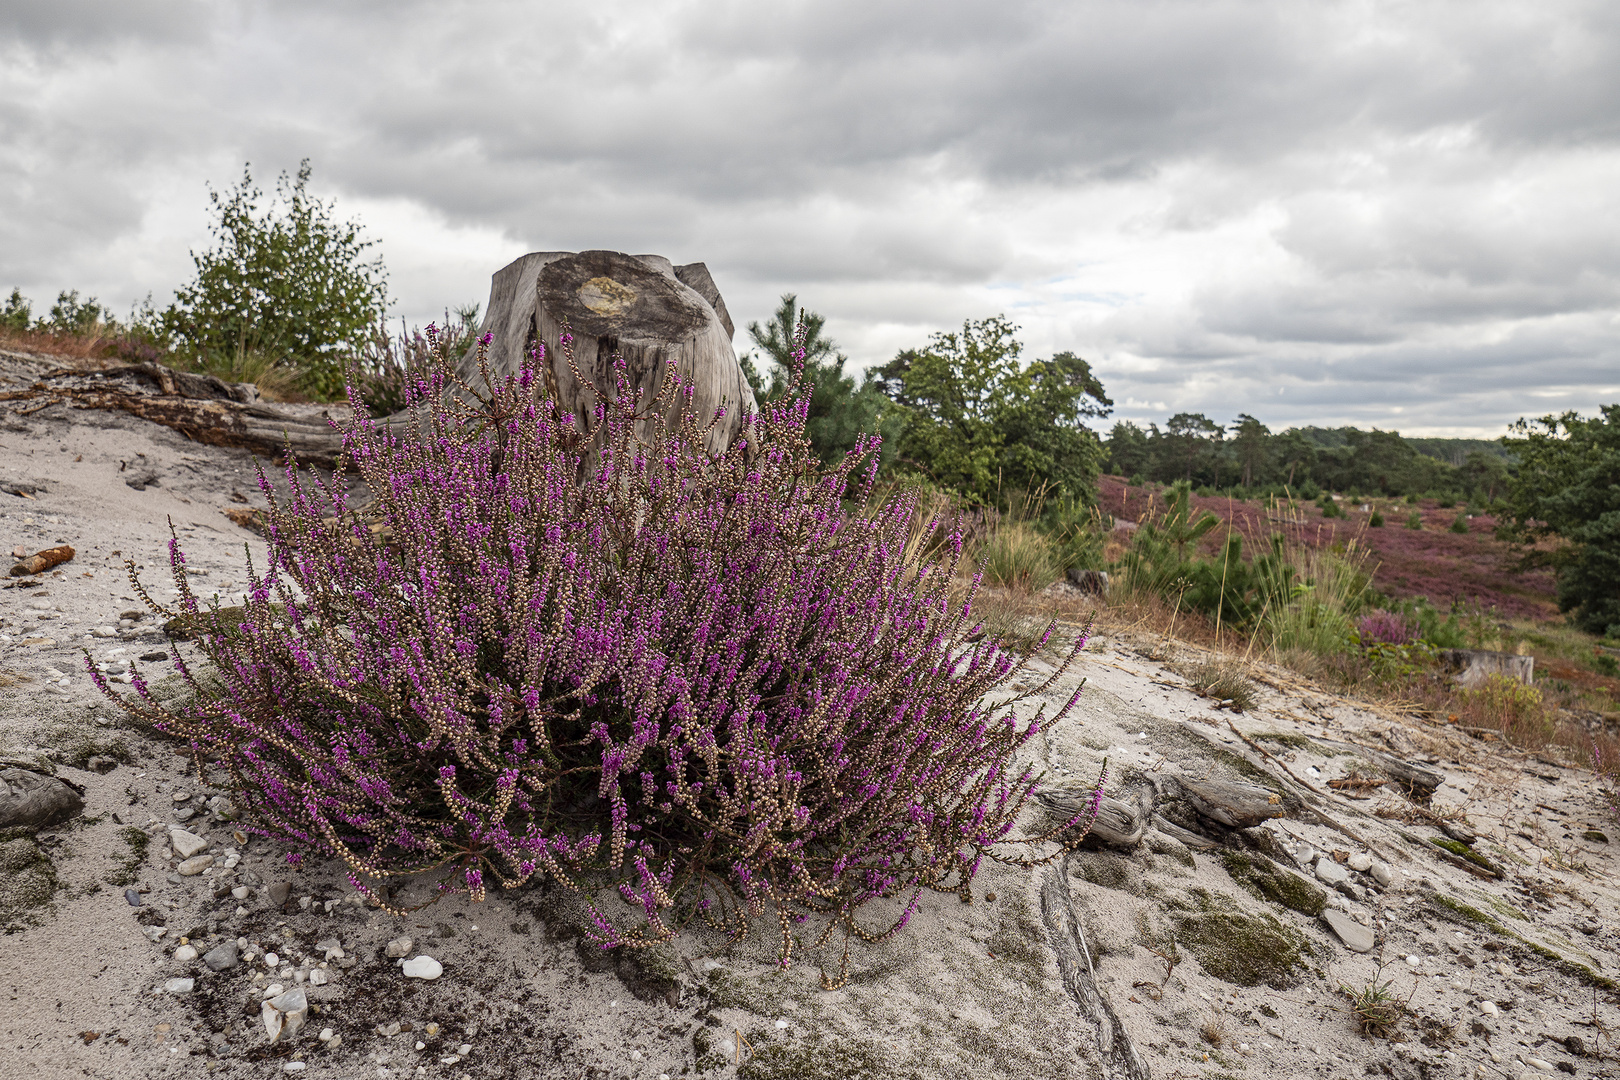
x=1414 y=520
x=1459 y=524
x=286 y=284
x=1376 y=521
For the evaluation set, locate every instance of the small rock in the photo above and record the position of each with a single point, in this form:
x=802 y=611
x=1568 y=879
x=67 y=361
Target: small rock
x=31 y=801
x=185 y=954
x=180 y=795
x=153 y=933
x=464 y=1049
x=1381 y=873
x=240 y=892
x=154 y=657
x=1330 y=872
x=271 y=960
x=326 y=1034
x=399 y=947
x=1356 y=938
x=422 y=967
x=179 y=986
x=133 y=897
x=293 y=1067
x=186 y=844
x=284 y=1014
x=222 y=956
x=1489 y=1008
x=279 y=892
x=195 y=866
x=1360 y=861
x=1540 y=1064
x=317 y=977
x=1414 y=960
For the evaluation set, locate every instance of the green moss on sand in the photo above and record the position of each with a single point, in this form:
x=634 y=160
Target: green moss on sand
x=1235 y=946
x=1463 y=851
x=1268 y=881
x=819 y=1058
x=27 y=883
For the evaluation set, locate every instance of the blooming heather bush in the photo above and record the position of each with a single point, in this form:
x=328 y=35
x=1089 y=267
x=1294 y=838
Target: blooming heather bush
x=1386 y=628
x=588 y=650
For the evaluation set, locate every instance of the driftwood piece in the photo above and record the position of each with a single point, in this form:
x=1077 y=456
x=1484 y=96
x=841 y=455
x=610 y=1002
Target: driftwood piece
x=1237 y=806
x=1120 y=822
x=1197 y=841
x=1120 y=1059
x=41 y=561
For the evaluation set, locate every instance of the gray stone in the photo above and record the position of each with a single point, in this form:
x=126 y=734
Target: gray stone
x=179 y=986
x=186 y=844
x=399 y=947
x=1330 y=872
x=133 y=897
x=279 y=892
x=1382 y=874
x=222 y=956
x=31 y=801
x=193 y=867
x=1356 y=938
x=1360 y=860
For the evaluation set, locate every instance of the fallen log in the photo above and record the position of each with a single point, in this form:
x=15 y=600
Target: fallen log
x=661 y=319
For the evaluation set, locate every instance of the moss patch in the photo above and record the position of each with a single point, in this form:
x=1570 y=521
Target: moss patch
x=27 y=883
x=1453 y=910
x=1268 y=881
x=129 y=868
x=1020 y=940
x=1463 y=851
x=1236 y=947
x=819 y=1058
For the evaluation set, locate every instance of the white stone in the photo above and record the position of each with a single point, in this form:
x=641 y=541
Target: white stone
x=186 y=844
x=1381 y=874
x=1356 y=938
x=400 y=946
x=1488 y=1008
x=464 y=1049
x=1360 y=861
x=1330 y=872
x=1414 y=961
x=285 y=1014
x=318 y=977
x=422 y=967
x=194 y=866
x=241 y=892
x=1540 y=1064
x=271 y=959
x=326 y=1034
x=185 y=954
x=179 y=986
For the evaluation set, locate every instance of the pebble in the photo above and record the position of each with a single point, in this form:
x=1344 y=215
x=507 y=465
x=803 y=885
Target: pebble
x=180 y=795
x=317 y=977
x=185 y=954
x=422 y=967
x=240 y=892
x=1330 y=872
x=399 y=947
x=1413 y=960
x=284 y=1014
x=326 y=1034
x=1356 y=938
x=194 y=866
x=186 y=844
x=153 y=932
x=1381 y=874
x=1360 y=861
x=179 y=986
x=133 y=897
x=271 y=959
x=222 y=956
x=464 y=1049
x=279 y=892
x=1488 y=1008
x=1539 y=1063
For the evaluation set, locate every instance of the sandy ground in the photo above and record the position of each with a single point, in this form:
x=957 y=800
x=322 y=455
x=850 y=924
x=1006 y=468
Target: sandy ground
x=987 y=988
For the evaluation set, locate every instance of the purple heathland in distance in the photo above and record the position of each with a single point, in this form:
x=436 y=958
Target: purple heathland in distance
x=596 y=651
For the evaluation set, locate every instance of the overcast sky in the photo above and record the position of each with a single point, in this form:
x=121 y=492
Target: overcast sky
x=1395 y=214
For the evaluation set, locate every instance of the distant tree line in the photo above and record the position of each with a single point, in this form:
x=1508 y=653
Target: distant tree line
x=1247 y=454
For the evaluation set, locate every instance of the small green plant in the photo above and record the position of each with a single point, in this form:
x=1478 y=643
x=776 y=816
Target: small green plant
x=1017 y=556
x=1376 y=521
x=18 y=314
x=1512 y=707
x=1412 y=499
x=1225 y=682
x=1446 y=503
x=1460 y=524
x=1376 y=1008
x=1414 y=520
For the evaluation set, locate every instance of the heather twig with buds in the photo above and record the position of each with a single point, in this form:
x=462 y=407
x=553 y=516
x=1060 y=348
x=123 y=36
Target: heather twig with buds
x=601 y=648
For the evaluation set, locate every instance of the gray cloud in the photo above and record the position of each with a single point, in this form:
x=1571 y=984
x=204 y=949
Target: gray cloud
x=1368 y=208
